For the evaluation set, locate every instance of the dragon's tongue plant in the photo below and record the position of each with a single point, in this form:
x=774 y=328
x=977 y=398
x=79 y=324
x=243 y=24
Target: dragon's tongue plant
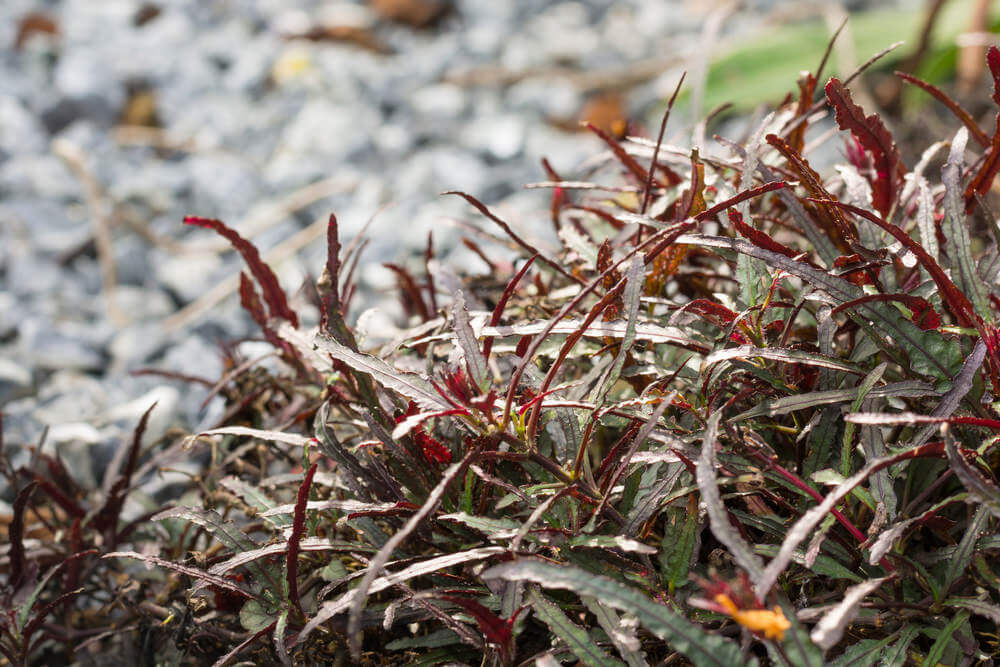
x=743 y=415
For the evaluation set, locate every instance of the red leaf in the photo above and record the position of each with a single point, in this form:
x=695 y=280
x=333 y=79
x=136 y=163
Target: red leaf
x=714 y=312
x=656 y=151
x=481 y=207
x=981 y=182
x=872 y=134
x=433 y=450
x=429 y=276
x=495 y=629
x=859 y=277
x=409 y=294
x=72 y=507
x=502 y=303
x=740 y=197
x=807 y=88
x=602 y=214
x=251 y=303
x=629 y=162
x=952 y=105
x=329 y=288
x=15 y=534
x=298 y=528
x=834 y=222
x=559 y=196
x=114 y=498
x=759 y=238
x=522 y=346
x=274 y=296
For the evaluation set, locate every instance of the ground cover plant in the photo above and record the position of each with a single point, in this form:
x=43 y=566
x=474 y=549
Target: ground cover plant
x=745 y=415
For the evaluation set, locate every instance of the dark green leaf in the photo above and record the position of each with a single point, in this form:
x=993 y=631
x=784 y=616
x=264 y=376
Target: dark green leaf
x=700 y=647
x=944 y=638
x=575 y=637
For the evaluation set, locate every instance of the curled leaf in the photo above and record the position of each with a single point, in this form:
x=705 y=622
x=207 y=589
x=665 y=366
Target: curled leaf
x=873 y=136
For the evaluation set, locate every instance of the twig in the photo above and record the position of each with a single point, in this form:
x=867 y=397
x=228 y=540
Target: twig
x=591 y=81
x=74 y=158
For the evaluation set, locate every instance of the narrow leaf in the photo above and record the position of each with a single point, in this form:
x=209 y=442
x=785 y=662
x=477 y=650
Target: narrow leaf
x=474 y=359
x=280 y=626
x=787 y=404
x=680 y=539
x=280 y=548
x=717 y=515
x=699 y=646
x=494 y=528
x=876 y=139
x=260 y=434
x=983 y=180
x=966 y=548
x=298 y=528
x=788 y=356
x=382 y=557
x=410 y=385
x=333 y=607
x=980 y=488
x=273 y=294
x=961 y=385
x=508 y=292
x=621 y=632
x=645 y=331
x=831 y=627
x=967 y=120
x=358 y=478
x=925 y=219
x=193 y=572
x=897 y=655
x=611 y=542
x=15 y=534
x=575 y=637
x=944 y=637
x=633 y=291
x=956 y=227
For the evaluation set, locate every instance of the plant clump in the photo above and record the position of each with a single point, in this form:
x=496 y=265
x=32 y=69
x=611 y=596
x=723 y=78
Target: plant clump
x=744 y=415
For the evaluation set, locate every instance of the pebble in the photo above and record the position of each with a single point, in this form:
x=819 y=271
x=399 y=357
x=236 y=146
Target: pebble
x=15 y=380
x=20 y=131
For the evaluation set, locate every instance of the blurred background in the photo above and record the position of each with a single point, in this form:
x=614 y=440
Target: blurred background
x=120 y=117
